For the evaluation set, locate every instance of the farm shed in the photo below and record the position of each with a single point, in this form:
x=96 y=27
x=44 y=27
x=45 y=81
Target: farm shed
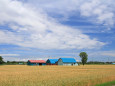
x=67 y=61
x=51 y=61
x=113 y=63
x=36 y=62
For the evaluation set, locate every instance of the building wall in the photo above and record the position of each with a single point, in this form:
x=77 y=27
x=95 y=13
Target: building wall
x=60 y=62
x=76 y=64
x=43 y=63
x=69 y=64
x=29 y=63
x=49 y=63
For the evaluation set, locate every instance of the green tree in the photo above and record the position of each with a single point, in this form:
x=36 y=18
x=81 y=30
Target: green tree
x=1 y=60
x=84 y=57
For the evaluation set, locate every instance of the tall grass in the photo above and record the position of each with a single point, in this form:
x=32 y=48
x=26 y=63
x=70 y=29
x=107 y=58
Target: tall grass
x=23 y=75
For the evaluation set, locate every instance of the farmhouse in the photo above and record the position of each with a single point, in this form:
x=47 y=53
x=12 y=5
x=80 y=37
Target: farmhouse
x=67 y=61
x=36 y=62
x=51 y=61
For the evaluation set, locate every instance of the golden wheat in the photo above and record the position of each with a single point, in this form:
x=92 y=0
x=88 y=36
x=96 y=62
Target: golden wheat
x=23 y=75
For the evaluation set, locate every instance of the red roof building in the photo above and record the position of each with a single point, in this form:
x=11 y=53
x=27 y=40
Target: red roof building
x=36 y=62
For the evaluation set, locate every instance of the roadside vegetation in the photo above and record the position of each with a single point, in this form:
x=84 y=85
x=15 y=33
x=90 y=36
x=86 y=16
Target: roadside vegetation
x=112 y=83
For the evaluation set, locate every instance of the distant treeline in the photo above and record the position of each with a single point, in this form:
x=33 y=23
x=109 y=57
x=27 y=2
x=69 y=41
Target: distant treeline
x=96 y=62
x=15 y=63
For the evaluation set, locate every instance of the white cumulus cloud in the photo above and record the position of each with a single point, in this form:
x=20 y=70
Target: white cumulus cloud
x=109 y=53
x=31 y=27
x=97 y=11
x=100 y=10
x=9 y=55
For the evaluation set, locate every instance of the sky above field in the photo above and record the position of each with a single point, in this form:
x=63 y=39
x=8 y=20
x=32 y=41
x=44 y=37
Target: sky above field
x=42 y=29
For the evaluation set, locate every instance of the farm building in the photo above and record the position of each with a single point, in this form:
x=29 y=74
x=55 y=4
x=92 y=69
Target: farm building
x=36 y=62
x=51 y=61
x=113 y=63
x=67 y=61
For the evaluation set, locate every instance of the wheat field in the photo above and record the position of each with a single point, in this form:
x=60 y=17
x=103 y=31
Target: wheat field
x=23 y=75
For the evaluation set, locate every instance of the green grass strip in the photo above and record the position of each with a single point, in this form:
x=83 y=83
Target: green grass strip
x=112 y=83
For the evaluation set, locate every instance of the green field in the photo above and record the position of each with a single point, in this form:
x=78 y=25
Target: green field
x=88 y=75
x=112 y=83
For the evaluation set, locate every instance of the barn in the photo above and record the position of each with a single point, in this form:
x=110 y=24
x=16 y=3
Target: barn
x=36 y=62
x=113 y=63
x=67 y=61
x=51 y=61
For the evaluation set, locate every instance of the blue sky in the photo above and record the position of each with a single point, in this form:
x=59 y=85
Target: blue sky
x=42 y=29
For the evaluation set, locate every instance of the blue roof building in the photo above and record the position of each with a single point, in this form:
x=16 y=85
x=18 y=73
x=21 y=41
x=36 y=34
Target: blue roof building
x=67 y=61
x=51 y=61
x=113 y=63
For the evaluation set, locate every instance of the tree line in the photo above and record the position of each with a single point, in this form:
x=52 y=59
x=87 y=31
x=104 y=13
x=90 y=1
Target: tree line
x=1 y=60
x=11 y=62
